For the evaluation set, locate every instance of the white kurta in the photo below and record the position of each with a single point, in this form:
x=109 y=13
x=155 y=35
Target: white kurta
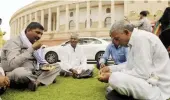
x=74 y=59
x=147 y=73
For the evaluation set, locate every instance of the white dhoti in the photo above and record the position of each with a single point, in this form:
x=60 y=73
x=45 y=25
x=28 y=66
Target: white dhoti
x=132 y=86
x=78 y=69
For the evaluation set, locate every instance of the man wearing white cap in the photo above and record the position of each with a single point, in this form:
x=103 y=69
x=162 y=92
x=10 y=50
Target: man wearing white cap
x=73 y=60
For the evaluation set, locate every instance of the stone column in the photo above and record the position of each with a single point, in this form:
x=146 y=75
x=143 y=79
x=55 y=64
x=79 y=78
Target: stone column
x=58 y=19
x=12 y=32
x=88 y=15
x=25 y=21
x=112 y=12
x=67 y=21
x=35 y=15
x=21 y=24
x=42 y=17
x=53 y=21
x=100 y=14
x=30 y=18
x=11 y=28
x=49 y=20
x=77 y=17
x=126 y=8
x=15 y=27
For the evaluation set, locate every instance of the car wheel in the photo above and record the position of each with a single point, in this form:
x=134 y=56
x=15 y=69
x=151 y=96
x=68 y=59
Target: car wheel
x=51 y=57
x=99 y=55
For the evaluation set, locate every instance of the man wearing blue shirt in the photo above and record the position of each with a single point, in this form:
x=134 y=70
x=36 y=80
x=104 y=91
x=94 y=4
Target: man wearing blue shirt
x=117 y=52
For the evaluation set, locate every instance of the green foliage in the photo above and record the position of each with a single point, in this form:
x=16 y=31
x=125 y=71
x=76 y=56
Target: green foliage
x=2 y=41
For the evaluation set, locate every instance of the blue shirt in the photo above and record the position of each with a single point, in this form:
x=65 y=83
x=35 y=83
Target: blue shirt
x=119 y=55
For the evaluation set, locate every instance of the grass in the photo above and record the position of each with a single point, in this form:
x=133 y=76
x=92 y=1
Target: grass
x=64 y=89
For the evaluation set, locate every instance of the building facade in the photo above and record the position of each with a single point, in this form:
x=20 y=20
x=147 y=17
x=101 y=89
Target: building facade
x=87 y=18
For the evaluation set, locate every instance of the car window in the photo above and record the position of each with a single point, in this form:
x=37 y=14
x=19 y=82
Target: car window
x=107 y=39
x=95 y=41
x=85 y=41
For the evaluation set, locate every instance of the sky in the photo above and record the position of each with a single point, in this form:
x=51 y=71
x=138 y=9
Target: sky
x=7 y=9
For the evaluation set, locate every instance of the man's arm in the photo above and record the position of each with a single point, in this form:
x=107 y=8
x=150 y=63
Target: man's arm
x=105 y=55
x=139 y=23
x=126 y=53
x=64 y=57
x=114 y=68
x=14 y=56
x=141 y=57
x=39 y=55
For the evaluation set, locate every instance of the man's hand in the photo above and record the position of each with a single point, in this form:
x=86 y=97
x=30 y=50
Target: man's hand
x=104 y=70
x=102 y=65
x=104 y=77
x=104 y=74
x=36 y=45
x=4 y=81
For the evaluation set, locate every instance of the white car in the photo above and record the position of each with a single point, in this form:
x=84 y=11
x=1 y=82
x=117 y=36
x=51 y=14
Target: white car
x=93 y=48
x=108 y=39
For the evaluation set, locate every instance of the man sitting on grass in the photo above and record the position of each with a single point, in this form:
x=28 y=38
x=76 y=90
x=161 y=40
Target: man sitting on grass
x=73 y=60
x=119 y=55
x=20 y=61
x=146 y=76
x=117 y=52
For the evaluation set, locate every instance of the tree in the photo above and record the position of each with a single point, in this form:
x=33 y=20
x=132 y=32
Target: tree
x=2 y=41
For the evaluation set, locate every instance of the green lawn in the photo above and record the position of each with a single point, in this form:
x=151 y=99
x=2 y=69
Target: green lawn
x=64 y=89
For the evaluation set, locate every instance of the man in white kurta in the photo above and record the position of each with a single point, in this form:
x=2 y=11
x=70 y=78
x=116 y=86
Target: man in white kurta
x=147 y=72
x=73 y=59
